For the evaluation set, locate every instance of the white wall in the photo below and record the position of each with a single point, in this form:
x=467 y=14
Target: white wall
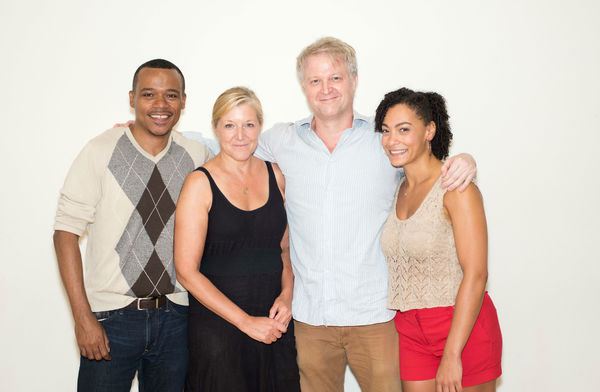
x=522 y=86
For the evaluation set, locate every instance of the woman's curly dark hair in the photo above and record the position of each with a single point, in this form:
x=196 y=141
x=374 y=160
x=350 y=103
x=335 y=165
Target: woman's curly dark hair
x=429 y=107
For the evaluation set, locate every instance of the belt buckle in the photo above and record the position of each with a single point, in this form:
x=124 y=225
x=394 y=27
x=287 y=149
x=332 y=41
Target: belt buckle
x=139 y=300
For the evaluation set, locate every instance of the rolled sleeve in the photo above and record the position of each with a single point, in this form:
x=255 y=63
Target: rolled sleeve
x=80 y=194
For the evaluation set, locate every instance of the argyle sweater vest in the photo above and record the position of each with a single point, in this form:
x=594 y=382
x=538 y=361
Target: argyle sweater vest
x=125 y=198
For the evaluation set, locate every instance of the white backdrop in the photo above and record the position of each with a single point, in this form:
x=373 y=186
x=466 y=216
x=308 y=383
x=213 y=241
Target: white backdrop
x=523 y=92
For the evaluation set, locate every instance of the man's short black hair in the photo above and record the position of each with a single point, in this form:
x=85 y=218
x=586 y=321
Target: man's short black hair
x=162 y=64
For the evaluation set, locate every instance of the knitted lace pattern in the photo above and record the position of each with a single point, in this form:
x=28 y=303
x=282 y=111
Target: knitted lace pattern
x=424 y=271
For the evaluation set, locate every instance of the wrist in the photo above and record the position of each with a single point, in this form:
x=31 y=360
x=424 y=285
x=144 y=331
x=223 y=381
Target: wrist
x=286 y=292
x=242 y=322
x=452 y=354
x=83 y=316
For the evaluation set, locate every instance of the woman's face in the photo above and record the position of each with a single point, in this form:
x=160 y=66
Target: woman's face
x=405 y=136
x=237 y=132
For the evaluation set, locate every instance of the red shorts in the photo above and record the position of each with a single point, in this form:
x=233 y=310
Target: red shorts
x=422 y=335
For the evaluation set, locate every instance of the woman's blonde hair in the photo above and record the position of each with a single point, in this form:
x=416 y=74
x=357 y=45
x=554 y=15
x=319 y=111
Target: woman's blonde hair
x=335 y=48
x=233 y=97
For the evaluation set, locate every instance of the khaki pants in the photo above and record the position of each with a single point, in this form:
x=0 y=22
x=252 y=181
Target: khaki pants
x=371 y=351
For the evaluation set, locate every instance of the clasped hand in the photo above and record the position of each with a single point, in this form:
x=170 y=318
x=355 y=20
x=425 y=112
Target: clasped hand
x=269 y=329
x=264 y=329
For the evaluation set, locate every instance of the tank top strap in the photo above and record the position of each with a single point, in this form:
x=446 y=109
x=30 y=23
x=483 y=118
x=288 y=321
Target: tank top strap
x=274 y=193
x=436 y=194
x=216 y=192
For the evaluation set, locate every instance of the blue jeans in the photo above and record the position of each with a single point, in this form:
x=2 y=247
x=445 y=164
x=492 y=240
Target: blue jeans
x=151 y=342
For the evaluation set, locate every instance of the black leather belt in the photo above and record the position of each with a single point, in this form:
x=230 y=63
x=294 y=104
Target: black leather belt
x=148 y=303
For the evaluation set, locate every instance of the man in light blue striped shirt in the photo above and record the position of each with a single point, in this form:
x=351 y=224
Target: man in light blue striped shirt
x=339 y=190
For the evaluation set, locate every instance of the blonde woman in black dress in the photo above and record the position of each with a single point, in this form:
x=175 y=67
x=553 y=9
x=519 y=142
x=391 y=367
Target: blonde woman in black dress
x=230 y=226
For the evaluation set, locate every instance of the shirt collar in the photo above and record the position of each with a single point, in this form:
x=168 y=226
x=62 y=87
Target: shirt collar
x=356 y=122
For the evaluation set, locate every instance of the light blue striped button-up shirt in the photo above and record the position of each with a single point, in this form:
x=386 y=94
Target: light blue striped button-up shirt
x=337 y=204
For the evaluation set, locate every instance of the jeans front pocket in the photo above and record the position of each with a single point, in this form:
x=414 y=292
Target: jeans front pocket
x=107 y=315
x=180 y=311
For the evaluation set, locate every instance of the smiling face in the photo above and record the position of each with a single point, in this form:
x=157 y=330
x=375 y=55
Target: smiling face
x=158 y=100
x=405 y=136
x=328 y=86
x=237 y=132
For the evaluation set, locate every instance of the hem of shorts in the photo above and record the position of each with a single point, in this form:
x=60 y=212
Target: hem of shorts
x=489 y=374
x=486 y=375
x=423 y=376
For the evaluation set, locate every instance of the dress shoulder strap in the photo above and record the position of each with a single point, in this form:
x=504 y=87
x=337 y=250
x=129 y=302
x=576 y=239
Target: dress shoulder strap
x=274 y=192
x=216 y=192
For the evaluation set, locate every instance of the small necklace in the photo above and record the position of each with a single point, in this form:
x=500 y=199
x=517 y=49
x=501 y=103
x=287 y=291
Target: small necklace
x=245 y=190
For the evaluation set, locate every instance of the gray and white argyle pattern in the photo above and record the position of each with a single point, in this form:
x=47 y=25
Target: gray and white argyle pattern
x=146 y=247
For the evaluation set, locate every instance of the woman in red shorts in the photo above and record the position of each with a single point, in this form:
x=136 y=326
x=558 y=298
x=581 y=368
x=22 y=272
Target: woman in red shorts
x=435 y=243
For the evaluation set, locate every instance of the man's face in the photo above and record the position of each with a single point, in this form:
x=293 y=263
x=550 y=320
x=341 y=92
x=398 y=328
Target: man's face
x=328 y=86
x=157 y=100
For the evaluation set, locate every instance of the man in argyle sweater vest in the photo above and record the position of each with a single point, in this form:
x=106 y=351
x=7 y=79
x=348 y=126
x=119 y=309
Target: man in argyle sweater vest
x=130 y=312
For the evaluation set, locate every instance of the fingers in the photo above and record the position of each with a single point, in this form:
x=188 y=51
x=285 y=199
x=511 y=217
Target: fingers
x=282 y=327
x=284 y=316
x=105 y=348
x=281 y=312
x=438 y=387
x=448 y=386
x=446 y=166
x=266 y=330
x=272 y=336
x=278 y=332
x=452 y=173
x=96 y=351
x=83 y=352
x=457 y=176
x=458 y=171
x=126 y=124
x=452 y=185
x=278 y=326
x=466 y=182
x=273 y=310
x=92 y=340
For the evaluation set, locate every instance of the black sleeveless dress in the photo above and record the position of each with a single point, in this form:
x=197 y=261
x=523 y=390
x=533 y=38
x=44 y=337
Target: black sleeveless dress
x=242 y=258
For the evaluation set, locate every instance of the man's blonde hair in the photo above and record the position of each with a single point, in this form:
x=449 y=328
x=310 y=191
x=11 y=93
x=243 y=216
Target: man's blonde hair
x=233 y=97
x=337 y=49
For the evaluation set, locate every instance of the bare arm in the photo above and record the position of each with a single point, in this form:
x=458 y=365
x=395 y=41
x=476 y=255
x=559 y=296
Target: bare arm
x=458 y=172
x=470 y=236
x=91 y=337
x=191 y=222
x=282 y=306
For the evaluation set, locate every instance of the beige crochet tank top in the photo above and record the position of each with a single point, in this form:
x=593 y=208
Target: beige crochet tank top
x=424 y=271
